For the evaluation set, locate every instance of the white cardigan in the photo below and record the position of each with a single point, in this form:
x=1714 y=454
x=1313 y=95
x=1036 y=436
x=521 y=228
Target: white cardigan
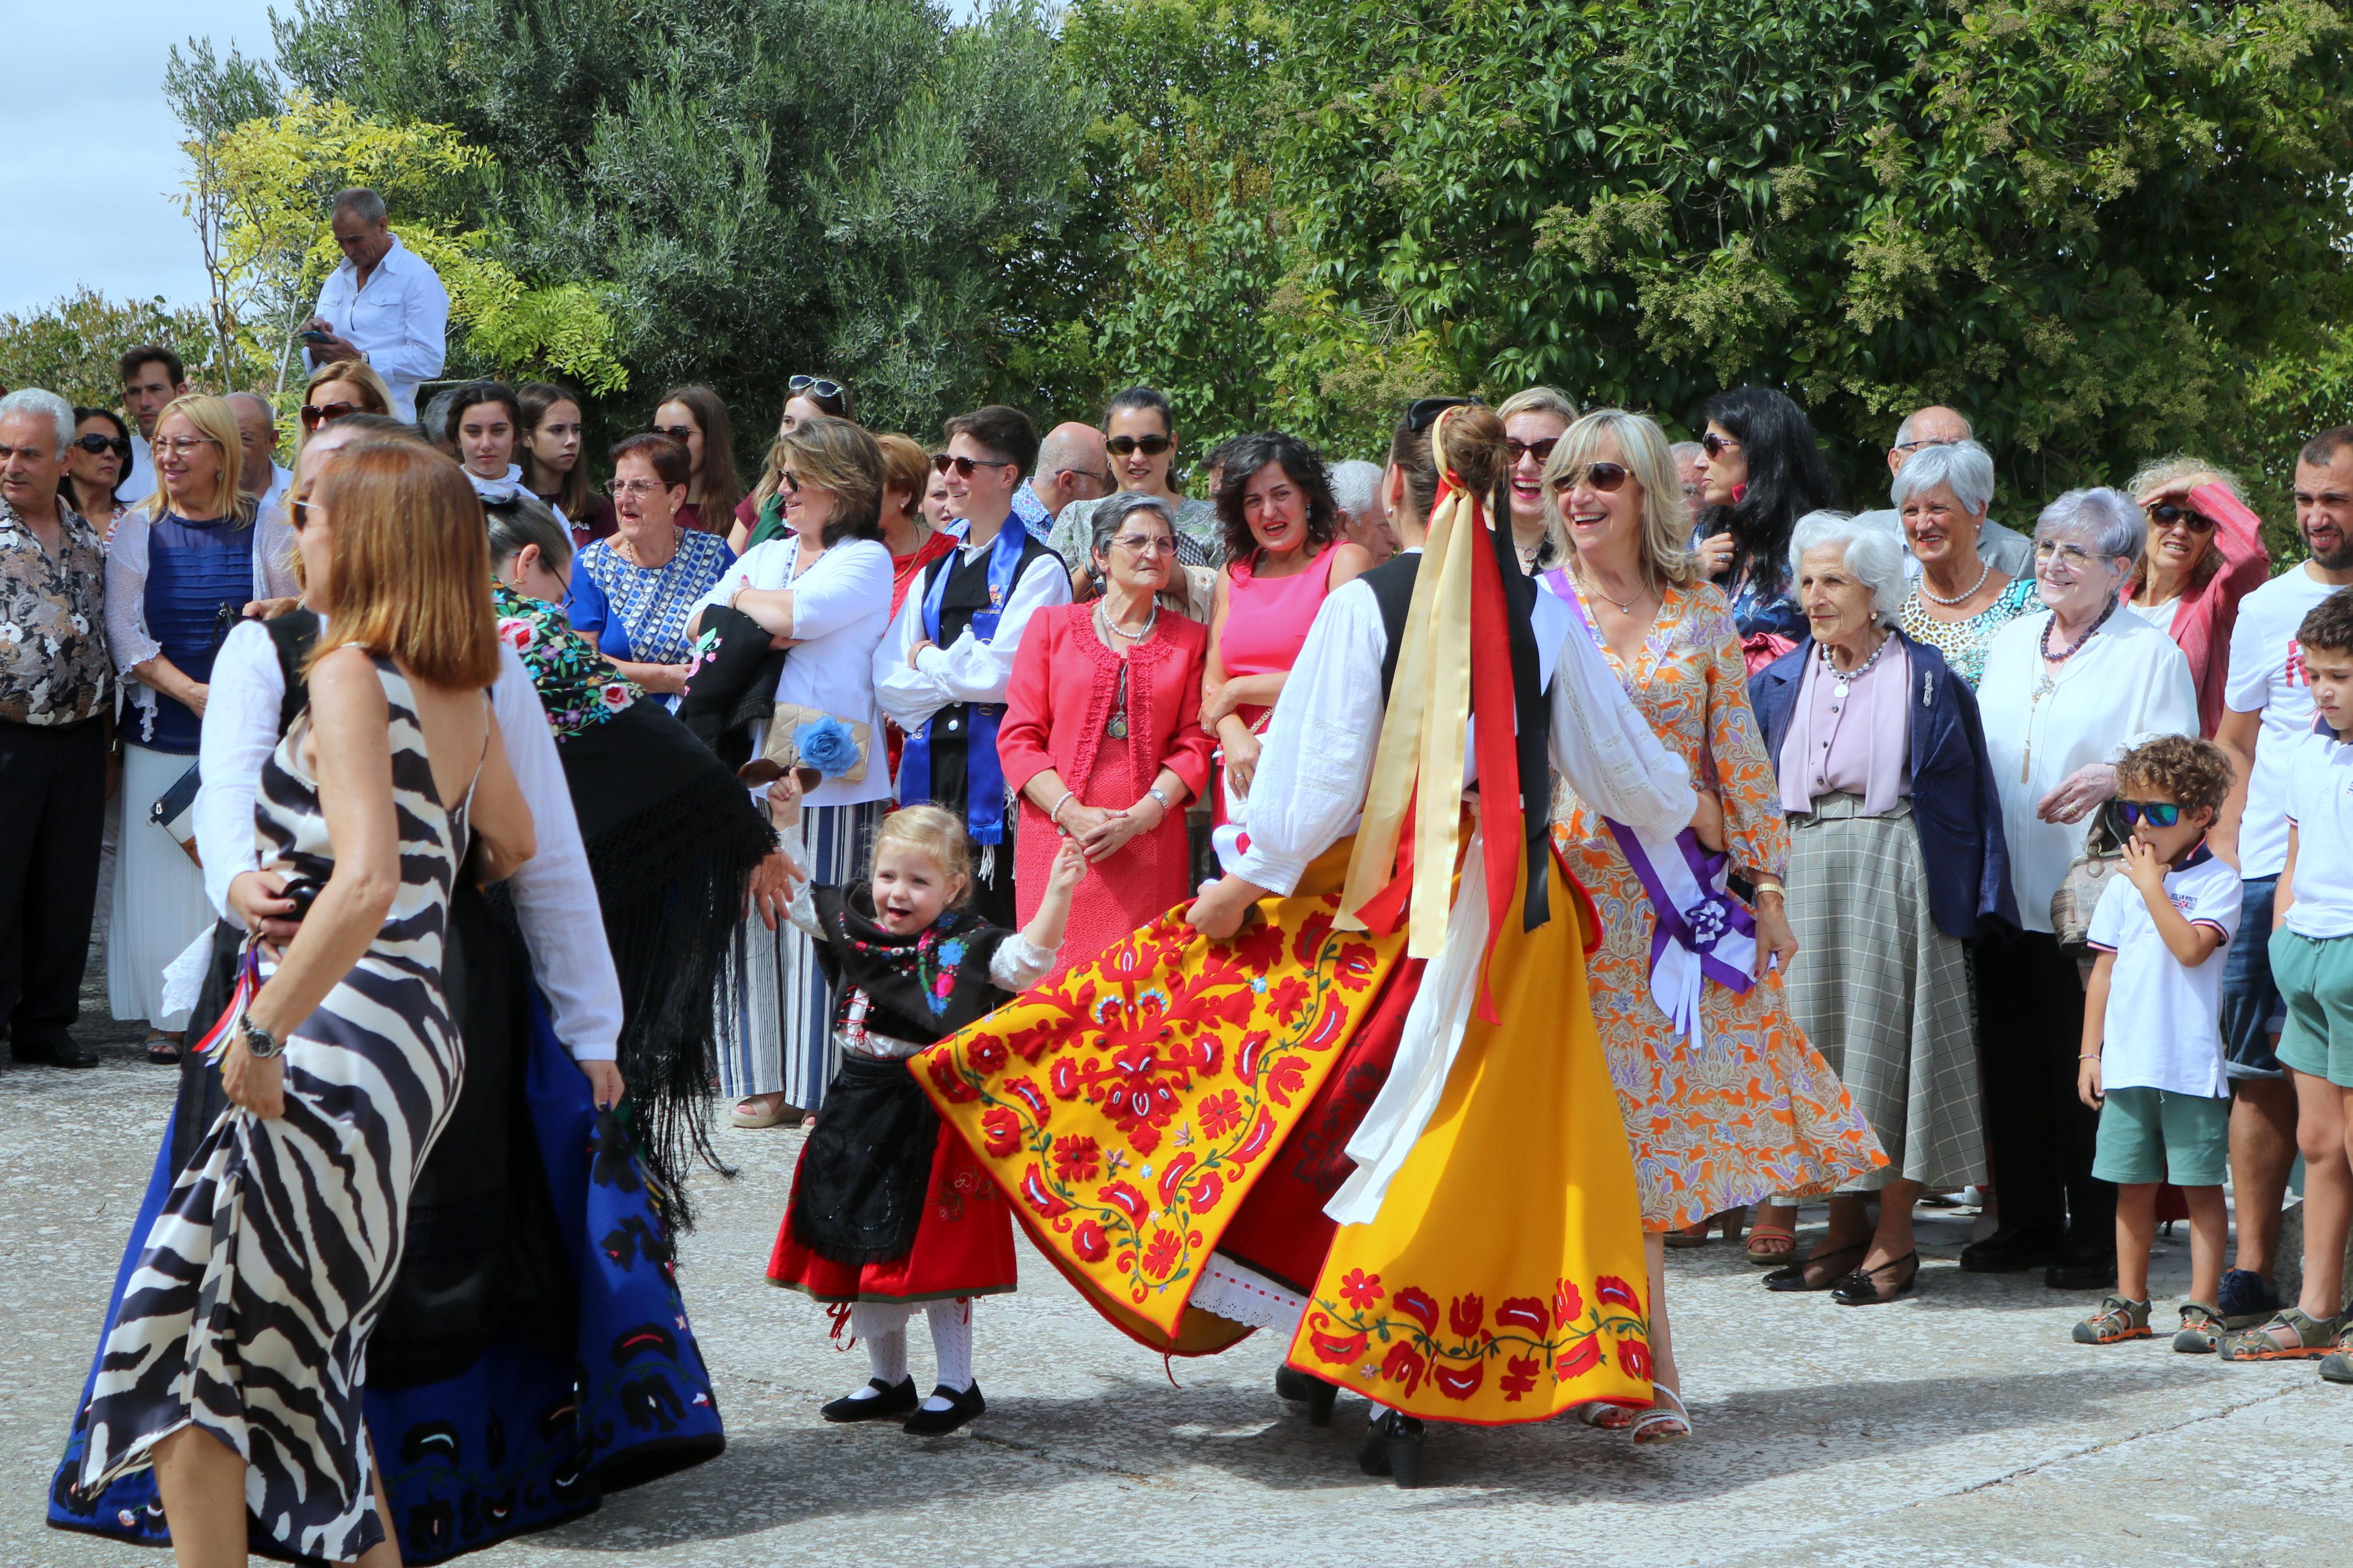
x=126 y=594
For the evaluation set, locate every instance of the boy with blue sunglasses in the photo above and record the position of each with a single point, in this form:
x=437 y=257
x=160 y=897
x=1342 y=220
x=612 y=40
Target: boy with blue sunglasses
x=2152 y=1059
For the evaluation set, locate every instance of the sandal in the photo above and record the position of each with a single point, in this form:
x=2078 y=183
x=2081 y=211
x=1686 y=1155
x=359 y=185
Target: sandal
x=1602 y=1413
x=2310 y=1338
x=1773 y=1236
x=2120 y=1318
x=1734 y=1220
x=747 y=1114
x=1863 y=1288
x=163 y=1049
x=1799 y=1274
x=2337 y=1366
x=2202 y=1330
x=1660 y=1425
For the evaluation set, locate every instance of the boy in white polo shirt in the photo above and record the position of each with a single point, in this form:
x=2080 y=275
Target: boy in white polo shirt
x=2152 y=1058
x=2312 y=959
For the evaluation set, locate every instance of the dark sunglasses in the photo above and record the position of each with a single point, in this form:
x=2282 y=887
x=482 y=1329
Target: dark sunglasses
x=1423 y=412
x=789 y=480
x=96 y=443
x=1150 y=446
x=1713 y=445
x=815 y=384
x=1603 y=477
x=314 y=414
x=1514 y=450
x=681 y=433
x=964 y=467
x=2156 y=813
x=2166 y=513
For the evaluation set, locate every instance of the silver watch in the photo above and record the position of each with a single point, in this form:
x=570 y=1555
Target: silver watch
x=1166 y=808
x=259 y=1043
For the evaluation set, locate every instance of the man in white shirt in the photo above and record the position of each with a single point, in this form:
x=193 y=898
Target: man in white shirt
x=152 y=377
x=2011 y=553
x=257 y=429
x=382 y=304
x=2268 y=711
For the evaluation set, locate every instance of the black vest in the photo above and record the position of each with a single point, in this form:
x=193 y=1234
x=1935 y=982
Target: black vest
x=967 y=590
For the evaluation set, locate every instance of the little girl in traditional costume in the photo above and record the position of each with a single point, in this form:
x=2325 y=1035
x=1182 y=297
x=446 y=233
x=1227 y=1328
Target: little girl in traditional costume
x=890 y=1209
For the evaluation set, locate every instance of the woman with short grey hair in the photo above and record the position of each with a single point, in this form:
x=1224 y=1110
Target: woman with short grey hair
x=1942 y=494
x=1896 y=863
x=2066 y=692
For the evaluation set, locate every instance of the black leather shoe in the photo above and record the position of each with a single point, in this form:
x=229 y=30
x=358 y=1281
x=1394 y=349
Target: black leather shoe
x=1290 y=1383
x=894 y=1401
x=2012 y=1252
x=932 y=1422
x=1392 y=1448
x=2094 y=1271
x=1313 y=1392
x=55 y=1051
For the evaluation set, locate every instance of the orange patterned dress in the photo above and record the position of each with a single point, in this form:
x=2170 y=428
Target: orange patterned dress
x=1753 y=1110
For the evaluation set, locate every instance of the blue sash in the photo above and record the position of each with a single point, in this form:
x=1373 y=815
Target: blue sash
x=984 y=800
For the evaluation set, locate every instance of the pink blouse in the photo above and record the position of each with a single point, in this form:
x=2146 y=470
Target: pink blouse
x=1858 y=743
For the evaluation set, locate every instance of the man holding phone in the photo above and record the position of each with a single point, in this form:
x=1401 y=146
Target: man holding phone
x=383 y=304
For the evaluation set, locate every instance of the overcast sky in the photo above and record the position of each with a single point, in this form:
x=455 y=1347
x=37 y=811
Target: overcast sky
x=86 y=192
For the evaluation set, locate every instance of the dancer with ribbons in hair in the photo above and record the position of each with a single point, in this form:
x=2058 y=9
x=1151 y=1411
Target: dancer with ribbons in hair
x=1150 y=1111
x=942 y=670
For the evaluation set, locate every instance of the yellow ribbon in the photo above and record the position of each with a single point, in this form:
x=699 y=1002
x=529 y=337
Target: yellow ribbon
x=1425 y=733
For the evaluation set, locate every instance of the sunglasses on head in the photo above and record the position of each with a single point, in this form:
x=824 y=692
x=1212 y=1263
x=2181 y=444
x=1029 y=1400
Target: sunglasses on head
x=1514 y=450
x=2166 y=513
x=815 y=384
x=1150 y=446
x=314 y=414
x=95 y=444
x=1713 y=445
x=2156 y=813
x=1603 y=477
x=1423 y=412
x=964 y=467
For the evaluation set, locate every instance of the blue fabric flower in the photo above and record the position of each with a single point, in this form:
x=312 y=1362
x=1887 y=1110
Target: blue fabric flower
x=826 y=745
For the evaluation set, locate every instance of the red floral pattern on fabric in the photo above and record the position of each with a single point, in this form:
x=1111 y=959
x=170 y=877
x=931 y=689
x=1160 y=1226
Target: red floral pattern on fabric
x=1565 y=1342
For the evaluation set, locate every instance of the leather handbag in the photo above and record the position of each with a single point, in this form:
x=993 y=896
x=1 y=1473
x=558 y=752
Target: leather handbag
x=174 y=811
x=2088 y=875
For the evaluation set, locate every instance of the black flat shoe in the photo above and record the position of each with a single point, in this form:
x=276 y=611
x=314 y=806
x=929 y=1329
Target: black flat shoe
x=2011 y=1252
x=932 y=1422
x=1817 y=1273
x=1392 y=1448
x=1865 y=1287
x=894 y=1401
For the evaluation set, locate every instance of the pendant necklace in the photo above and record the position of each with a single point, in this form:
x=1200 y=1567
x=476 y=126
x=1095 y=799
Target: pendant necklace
x=1117 y=728
x=1847 y=677
x=1625 y=606
x=1960 y=598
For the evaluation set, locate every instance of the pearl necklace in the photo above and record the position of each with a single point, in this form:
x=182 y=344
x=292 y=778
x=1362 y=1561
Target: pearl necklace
x=1963 y=596
x=1117 y=726
x=1847 y=677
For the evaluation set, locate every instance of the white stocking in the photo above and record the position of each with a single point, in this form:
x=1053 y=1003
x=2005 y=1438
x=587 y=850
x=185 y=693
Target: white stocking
x=883 y=1326
x=951 y=1347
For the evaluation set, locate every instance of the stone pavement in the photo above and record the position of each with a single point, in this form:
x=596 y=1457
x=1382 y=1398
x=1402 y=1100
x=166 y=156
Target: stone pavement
x=1956 y=1426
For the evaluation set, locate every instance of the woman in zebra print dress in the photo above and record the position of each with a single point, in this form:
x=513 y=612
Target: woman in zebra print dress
x=247 y=1318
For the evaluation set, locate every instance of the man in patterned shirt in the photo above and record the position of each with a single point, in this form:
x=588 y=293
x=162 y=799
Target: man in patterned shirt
x=53 y=706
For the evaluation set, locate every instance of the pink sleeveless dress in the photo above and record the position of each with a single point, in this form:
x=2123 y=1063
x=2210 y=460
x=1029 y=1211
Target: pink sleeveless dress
x=1266 y=620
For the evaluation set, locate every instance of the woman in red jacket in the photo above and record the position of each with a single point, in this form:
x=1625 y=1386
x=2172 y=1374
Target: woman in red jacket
x=2205 y=553
x=1102 y=736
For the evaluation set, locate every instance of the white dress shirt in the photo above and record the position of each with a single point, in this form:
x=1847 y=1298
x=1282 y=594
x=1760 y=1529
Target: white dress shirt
x=555 y=896
x=273 y=500
x=138 y=482
x=399 y=322
x=2129 y=683
x=967 y=671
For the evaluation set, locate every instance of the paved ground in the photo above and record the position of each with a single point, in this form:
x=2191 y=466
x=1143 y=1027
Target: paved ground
x=1958 y=1427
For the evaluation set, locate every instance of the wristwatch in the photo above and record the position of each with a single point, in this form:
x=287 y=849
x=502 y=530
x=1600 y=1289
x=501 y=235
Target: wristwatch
x=259 y=1043
x=1155 y=792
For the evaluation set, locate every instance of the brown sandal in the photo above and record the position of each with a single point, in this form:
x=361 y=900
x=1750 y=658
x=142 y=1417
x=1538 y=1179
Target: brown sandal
x=1772 y=1243
x=1733 y=1220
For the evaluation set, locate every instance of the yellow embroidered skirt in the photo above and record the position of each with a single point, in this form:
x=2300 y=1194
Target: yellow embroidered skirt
x=1501 y=1281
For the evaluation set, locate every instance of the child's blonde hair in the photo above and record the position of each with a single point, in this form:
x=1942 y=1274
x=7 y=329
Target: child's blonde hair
x=936 y=833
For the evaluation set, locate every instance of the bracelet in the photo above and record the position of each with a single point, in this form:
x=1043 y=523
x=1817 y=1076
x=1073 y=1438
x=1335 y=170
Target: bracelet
x=2087 y=1056
x=1766 y=884
x=1055 y=815
x=1166 y=809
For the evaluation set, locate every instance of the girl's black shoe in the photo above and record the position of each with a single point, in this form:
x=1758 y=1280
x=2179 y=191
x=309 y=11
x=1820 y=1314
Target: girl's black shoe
x=932 y=1422
x=892 y=1402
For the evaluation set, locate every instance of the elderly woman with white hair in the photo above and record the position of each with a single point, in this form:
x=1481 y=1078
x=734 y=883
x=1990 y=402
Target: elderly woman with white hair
x=1896 y=862
x=2066 y=692
x=1958 y=601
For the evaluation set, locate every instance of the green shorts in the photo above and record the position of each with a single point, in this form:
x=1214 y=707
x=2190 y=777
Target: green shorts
x=2315 y=980
x=2152 y=1135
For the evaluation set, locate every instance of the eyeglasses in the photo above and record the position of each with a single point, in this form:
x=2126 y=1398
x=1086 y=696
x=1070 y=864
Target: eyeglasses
x=1423 y=412
x=94 y=444
x=1150 y=446
x=1713 y=445
x=1603 y=477
x=2073 y=556
x=2166 y=513
x=1908 y=448
x=681 y=433
x=314 y=414
x=1146 y=544
x=815 y=384
x=2156 y=813
x=181 y=446
x=1540 y=451
x=965 y=466
x=789 y=480
x=617 y=488
x=299 y=510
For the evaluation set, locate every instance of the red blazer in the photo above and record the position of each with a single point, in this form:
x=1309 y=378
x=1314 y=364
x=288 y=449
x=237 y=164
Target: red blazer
x=1064 y=683
x=2203 y=627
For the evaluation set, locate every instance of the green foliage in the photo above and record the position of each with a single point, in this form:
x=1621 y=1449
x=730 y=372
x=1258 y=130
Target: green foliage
x=69 y=346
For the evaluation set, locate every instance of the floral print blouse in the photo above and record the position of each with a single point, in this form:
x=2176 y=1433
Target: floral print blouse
x=1964 y=643
x=579 y=687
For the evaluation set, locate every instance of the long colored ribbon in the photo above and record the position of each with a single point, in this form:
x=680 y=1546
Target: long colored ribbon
x=984 y=801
